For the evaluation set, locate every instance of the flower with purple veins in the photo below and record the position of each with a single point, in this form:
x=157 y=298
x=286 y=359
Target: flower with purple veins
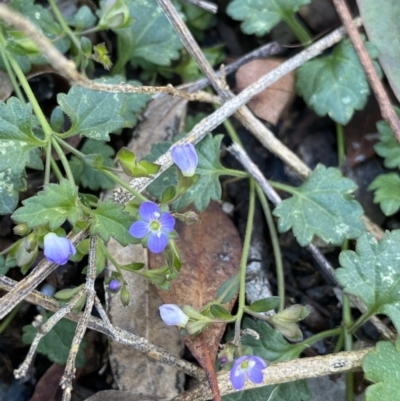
x=58 y=249
x=172 y=315
x=154 y=226
x=185 y=157
x=250 y=367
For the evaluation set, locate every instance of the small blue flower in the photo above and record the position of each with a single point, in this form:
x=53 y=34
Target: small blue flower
x=154 y=226
x=172 y=315
x=114 y=285
x=58 y=249
x=247 y=366
x=185 y=157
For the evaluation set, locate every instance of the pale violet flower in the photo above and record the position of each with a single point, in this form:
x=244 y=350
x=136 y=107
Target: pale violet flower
x=172 y=315
x=154 y=226
x=250 y=367
x=58 y=249
x=185 y=157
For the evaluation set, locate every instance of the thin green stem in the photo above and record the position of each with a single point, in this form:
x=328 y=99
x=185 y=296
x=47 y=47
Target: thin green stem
x=64 y=25
x=234 y=173
x=11 y=75
x=360 y=321
x=63 y=160
x=320 y=336
x=69 y=147
x=340 y=341
x=124 y=185
x=56 y=170
x=287 y=188
x=348 y=345
x=48 y=164
x=298 y=29
x=275 y=246
x=232 y=132
x=88 y=31
x=243 y=263
x=32 y=99
x=8 y=319
x=340 y=144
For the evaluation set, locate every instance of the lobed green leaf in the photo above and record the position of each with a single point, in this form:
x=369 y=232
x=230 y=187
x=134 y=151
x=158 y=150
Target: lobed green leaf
x=259 y=17
x=387 y=192
x=372 y=273
x=322 y=206
x=336 y=84
x=52 y=206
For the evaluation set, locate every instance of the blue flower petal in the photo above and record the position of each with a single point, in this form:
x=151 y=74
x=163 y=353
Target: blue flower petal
x=237 y=378
x=157 y=242
x=139 y=229
x=58 y=249
x=259 y=362
x=255 y=375
x=173 y=315
x=185 y=157
x=149 y=211
x=167 y=222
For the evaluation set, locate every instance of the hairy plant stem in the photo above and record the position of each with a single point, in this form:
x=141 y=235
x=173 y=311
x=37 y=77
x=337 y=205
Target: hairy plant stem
x=56 y=169
x=340 y=144
x=105 y=170
x=48 y=163
x=63 y=160
x=10 y=72
x=31 y=97
x=66 y=28
x=298 y=29
x=243 y=263
x=280 y=276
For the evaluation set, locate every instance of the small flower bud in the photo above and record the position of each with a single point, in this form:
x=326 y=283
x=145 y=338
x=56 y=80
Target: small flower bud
x=189 y=217
x=125 y=296
x=114 y=285
x=172 y=315
x=185 y=157
x=21 y=229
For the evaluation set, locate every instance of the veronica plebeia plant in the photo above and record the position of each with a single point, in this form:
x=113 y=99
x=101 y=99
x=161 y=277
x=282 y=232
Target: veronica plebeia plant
x=68 y=221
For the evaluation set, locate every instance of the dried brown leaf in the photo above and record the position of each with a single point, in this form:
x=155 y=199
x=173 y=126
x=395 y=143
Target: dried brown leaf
x=273 y=101
x=211 y=253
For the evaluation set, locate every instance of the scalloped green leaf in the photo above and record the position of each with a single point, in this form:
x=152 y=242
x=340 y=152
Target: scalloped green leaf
x=336 y=84
x=381 y=366
x=209 y=168
x=93 y=114
x=150 y=37
x=381 y=21
x=322 y=206
x=10 y=186
x=109 y=220
x=387 y=192
x=86 y=175
x=259 y=17
x=52 y=206
x=96 y=114
x=388 y=147
x=17 y=140
x=372 y=273
x=56 y=344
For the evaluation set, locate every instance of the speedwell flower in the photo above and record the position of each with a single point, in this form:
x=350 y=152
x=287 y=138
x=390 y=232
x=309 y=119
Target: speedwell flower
x=154 y=226
x=58 y=249
x=247 y=366
x=114 y=285
x=185 y=157
x=172 y=315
